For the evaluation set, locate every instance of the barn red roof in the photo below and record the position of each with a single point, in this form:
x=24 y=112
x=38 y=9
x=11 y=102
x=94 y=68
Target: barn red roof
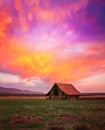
x=69 y=89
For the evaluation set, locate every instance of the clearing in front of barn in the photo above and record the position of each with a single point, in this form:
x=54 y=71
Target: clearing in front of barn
x=34 y=114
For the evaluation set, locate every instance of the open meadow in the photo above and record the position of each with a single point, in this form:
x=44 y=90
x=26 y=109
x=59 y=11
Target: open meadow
x=40 y=114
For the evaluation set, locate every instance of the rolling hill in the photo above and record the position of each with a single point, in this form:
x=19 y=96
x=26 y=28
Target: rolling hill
x=17 y=91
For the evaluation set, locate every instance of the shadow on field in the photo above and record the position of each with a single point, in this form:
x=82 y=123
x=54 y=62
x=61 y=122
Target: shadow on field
x=62 y=122
x=23 y=119
x=77 y=123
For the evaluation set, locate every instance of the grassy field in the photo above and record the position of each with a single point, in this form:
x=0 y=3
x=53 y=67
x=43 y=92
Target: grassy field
x=33 y=114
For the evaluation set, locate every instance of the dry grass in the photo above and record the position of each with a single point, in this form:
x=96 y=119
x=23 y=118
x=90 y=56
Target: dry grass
x=22 y=97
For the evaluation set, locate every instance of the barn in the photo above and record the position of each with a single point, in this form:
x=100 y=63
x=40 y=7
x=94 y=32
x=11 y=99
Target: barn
x=60 y=91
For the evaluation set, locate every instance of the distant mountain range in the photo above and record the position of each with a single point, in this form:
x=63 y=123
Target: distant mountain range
x=17 y=91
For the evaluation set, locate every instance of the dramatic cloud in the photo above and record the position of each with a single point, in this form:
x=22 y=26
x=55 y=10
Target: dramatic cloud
x=9 y=78
x=42 y=42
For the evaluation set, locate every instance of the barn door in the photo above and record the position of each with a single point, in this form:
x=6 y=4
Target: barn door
x=56 y=91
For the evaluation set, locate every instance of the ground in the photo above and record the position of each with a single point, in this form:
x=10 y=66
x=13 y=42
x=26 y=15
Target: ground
x=40 y=114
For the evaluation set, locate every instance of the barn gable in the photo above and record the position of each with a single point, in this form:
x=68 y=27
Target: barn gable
x=63 y=91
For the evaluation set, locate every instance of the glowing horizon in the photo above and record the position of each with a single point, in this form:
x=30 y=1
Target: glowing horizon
x=48 y=41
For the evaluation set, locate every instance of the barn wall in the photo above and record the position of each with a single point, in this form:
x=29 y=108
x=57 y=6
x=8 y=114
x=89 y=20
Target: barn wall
x=72 y=97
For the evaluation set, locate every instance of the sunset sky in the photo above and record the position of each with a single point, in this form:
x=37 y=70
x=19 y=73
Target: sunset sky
x=48 y=41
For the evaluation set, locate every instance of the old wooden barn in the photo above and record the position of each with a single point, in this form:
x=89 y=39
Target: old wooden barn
x=63 y=91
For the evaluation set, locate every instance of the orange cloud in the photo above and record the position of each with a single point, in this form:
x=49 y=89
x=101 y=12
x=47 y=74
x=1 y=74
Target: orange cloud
x=19 y=58
x=1 y=2
x=21 y=15
x=18 y=5
x=5 y=20
x=32 y=2
x=30 y=16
